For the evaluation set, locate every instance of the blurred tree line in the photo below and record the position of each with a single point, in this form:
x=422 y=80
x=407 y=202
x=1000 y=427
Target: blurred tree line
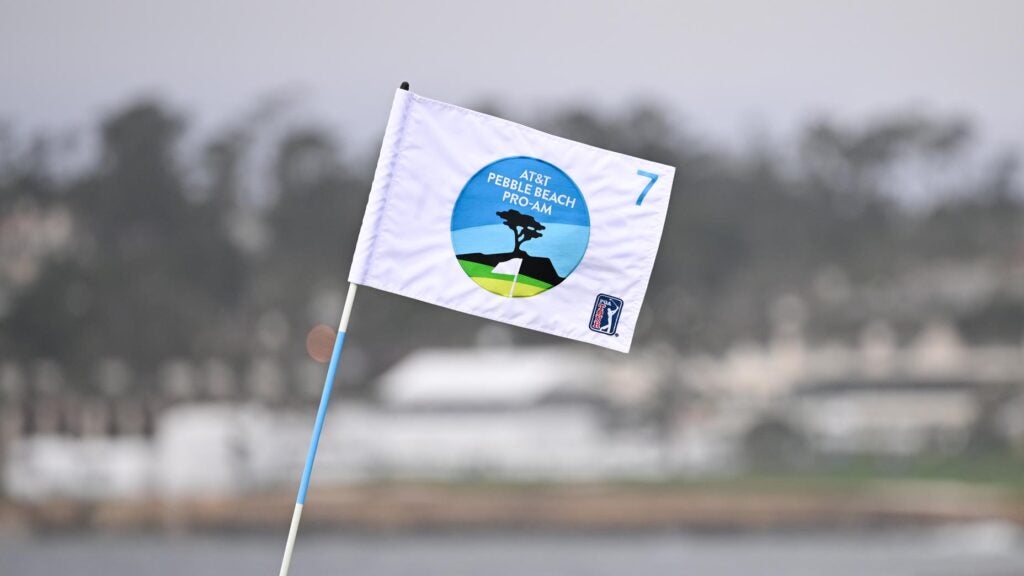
x=162 y=249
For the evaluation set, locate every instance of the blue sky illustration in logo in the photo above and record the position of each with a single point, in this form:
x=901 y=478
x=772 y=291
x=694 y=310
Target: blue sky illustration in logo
x=520 y=227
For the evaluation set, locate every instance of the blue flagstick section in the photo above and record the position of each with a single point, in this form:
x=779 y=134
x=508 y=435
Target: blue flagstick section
x=321 y=413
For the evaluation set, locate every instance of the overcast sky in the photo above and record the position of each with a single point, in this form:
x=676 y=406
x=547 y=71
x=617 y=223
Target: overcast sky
x=724 y=67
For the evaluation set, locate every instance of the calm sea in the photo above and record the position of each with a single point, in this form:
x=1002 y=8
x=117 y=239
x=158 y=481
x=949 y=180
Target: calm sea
x=984 y=550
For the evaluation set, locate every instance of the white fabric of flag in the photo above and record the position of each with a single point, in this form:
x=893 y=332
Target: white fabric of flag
x=495 y=219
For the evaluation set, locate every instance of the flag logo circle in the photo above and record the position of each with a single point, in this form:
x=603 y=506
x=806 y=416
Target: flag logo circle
x=520 y=227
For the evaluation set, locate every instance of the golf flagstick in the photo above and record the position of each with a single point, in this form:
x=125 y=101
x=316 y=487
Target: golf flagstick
x=325 y=398
x=511 y=267
x=318 y=426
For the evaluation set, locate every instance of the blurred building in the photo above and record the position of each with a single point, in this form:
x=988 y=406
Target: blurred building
x=502 y=413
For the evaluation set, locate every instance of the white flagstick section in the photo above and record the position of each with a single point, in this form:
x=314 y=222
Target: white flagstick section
x=332 y=369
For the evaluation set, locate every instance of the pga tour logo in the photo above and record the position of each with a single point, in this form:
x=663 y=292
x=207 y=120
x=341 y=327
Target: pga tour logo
x=605 y=317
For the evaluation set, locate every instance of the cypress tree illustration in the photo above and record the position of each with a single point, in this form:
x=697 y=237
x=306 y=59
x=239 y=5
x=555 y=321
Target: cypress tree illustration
x=523 y=226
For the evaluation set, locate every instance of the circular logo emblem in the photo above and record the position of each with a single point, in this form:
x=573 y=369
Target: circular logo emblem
x=520 y=227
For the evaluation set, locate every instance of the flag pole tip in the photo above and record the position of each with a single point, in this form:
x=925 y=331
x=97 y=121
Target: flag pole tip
x=404 y=86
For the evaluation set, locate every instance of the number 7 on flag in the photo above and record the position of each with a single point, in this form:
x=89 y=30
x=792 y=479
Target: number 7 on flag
x=645 y=174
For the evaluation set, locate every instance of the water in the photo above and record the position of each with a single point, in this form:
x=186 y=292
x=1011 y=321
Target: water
x=986 y=551
x=563 y=244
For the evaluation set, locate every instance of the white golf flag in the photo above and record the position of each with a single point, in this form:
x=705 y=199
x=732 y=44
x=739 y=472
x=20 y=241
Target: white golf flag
x=492 y=218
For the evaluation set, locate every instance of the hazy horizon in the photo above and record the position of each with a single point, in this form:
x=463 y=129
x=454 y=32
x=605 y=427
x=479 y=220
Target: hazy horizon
x=727 y=71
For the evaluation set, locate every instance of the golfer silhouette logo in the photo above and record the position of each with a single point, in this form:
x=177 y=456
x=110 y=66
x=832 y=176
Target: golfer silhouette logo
x=605 y=317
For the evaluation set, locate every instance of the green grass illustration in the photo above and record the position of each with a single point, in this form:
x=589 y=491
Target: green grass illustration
x=501 y=283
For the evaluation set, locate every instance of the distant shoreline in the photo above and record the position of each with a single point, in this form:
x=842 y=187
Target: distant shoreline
x=411 y=507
